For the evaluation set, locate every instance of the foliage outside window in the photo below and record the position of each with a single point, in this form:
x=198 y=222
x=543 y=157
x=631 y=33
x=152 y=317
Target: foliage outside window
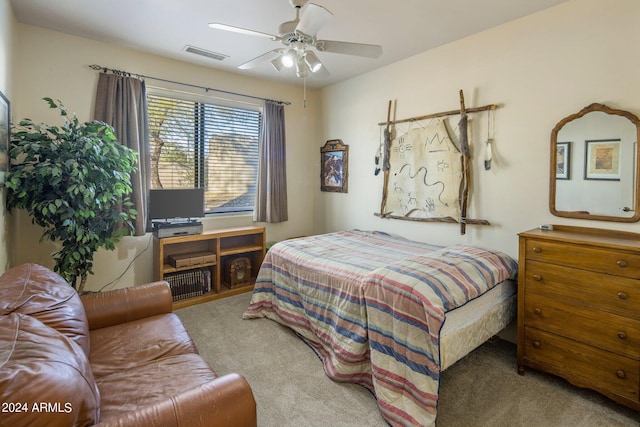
x=196 y=144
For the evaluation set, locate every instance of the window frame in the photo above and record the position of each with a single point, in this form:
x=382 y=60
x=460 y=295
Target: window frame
x=231 y=101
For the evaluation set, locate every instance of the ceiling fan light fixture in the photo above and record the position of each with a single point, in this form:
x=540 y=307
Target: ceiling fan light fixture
x=277 y=63
x=312 y=61
x=301 y=68
x=288 y=59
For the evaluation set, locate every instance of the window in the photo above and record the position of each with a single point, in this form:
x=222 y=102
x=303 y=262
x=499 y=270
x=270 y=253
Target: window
x=197 y=144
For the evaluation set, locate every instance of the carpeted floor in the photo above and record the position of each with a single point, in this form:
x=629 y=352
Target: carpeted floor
x=291 y=389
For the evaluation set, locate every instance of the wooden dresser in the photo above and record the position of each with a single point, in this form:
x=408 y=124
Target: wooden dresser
x=579 y=308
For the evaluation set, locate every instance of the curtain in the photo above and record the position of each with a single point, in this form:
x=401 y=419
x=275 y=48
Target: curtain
x=121 y=101
x=271 y=186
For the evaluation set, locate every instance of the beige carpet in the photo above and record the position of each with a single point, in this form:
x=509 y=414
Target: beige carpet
x=291 y=389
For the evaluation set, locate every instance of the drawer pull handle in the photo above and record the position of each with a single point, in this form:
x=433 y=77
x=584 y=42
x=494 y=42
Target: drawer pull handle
x=623 y=295
x=538 y=311
x=622 y=335
x=621 y=374
x=622 y=263
x=537 y=277
x=536 y=344
x=536 y=249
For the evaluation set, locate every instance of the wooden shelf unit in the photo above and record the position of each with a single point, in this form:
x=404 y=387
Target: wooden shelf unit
x=226 y=243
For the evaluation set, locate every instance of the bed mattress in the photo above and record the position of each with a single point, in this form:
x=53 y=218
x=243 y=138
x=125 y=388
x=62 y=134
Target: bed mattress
x=467 y=327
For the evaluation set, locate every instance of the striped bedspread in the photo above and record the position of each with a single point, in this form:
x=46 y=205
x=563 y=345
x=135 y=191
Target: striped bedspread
x=372 y=305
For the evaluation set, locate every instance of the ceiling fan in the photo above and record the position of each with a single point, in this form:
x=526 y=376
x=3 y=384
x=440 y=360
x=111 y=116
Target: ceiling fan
x=298 y=36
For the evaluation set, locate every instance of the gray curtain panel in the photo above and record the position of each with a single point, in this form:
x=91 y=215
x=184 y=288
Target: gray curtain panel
x=271 y=191
x=121 y=101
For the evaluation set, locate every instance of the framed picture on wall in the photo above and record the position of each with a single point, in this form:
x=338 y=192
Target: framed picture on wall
x=602 y=159
x=5 y=137
x=563 y=160
x=334 y=166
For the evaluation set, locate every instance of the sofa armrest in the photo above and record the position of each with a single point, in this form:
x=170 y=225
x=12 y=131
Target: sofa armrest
x=127 y=304
x=226 y=401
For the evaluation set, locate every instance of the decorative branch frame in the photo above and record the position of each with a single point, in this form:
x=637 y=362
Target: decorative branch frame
x=5 y=136
x=464 y=220
x=334 y=166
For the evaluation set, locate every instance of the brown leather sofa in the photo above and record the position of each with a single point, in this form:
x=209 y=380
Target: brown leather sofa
x=118 y=358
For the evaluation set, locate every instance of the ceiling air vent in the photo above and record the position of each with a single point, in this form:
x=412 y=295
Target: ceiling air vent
x=206 y=53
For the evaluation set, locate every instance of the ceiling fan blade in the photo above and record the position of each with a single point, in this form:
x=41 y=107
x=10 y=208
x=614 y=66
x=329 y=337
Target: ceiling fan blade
x=225 y=27
x=313 y=18
x=269 y=56
x=356 y=49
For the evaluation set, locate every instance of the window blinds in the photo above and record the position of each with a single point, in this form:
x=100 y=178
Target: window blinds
x=195 y=144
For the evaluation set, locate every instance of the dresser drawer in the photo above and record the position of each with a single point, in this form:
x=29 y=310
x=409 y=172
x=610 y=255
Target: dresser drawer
x=600 y=260
x=583 y=365
x=600 y=292
x=606 y=331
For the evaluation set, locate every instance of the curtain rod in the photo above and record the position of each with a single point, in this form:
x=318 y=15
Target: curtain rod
x=207 y=89
x=443 y=114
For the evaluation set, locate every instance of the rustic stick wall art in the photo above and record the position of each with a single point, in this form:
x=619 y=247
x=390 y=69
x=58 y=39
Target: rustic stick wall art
x=429 y=171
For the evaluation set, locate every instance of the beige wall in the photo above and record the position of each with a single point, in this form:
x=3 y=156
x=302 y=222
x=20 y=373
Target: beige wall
x=52 y=64
x=539 y=69
x=7 y=30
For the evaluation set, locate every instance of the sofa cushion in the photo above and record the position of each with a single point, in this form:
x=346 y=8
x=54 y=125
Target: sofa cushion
x=45 y=375
x=39 y=292
x=152 y=383
x=131 y=344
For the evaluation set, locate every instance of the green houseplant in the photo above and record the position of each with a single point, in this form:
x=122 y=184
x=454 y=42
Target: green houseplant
x=74 y=181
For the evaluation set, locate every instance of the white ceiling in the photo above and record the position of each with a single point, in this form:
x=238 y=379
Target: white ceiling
x=164 y=27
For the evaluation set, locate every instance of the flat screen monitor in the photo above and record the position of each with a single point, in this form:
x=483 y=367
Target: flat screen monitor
x=176 y=203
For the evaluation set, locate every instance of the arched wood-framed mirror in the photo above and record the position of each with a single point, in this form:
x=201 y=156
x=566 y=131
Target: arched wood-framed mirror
x=594 y=165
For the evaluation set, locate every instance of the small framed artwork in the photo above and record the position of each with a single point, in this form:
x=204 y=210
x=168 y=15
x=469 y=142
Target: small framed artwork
x=5 y=137
x=563 y=160
x=602 y=159
x=334 y=166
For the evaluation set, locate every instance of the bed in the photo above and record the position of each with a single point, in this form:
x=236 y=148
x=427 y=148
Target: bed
x=386 y=312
